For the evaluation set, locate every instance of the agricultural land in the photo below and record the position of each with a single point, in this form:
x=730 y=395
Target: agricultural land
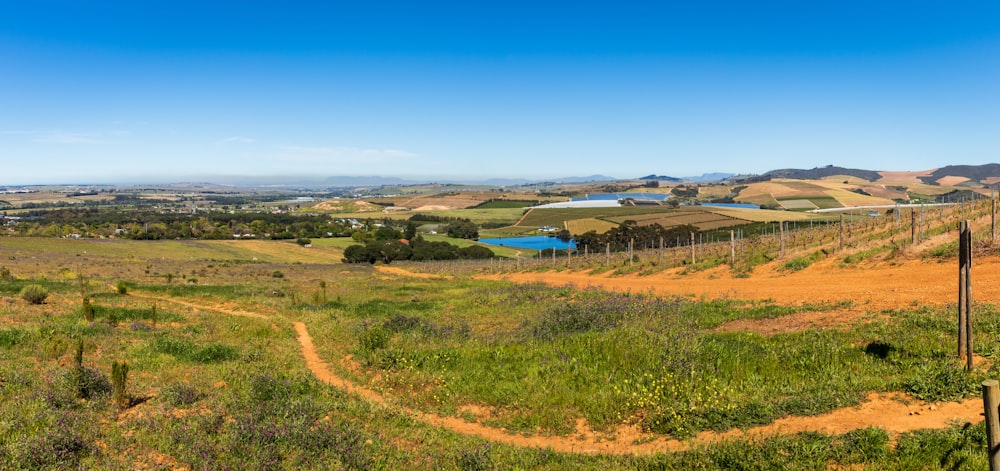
x=190 y=329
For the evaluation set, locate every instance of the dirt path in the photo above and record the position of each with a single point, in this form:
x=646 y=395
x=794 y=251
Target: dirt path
x=199 y=306
x=892 y=412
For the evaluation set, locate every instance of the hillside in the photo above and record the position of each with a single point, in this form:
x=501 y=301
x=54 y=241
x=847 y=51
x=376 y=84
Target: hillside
x=987 y=174
x=822 y=172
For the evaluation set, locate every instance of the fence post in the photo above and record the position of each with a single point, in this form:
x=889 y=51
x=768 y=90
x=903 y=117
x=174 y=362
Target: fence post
x=841 y=231
x=968 y=297
x=732 y=247
x=692 y=248
x=991 y=400
x=913 y=226
x=660 y=262
x=607 y=254
x=961 y=289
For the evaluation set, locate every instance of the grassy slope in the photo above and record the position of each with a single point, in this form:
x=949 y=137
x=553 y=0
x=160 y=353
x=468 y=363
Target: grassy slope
x=219 y=390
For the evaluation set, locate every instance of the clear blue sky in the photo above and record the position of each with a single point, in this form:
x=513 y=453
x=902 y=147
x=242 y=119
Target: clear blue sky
x=96 y=91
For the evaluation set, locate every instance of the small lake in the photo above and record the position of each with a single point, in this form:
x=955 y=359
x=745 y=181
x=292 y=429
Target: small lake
x=530 y=242
x=732 y=205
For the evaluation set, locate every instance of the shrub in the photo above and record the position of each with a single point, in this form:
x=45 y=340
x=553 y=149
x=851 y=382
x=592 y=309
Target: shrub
x=119 y=383
x=121 y=287
x=373 y=338
x=5 y=274
x=34 y=294
x=10 y=337
x=180 y=394
x=88 y=309
x=277 y=274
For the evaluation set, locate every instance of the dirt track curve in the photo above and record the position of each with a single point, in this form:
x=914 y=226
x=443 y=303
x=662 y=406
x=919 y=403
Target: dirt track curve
x=893 y=412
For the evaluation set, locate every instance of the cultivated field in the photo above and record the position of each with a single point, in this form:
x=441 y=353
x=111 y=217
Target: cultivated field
x=829 y=349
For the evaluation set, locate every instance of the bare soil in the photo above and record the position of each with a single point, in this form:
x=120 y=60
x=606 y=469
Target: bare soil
x=870 y=287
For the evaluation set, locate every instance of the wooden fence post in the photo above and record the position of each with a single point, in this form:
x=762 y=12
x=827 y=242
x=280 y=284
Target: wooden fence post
x=660 y=262
x=607 y=254
x=913 y=226
x=692 y=248
x=965 y=293
x=991 y=400
x=732 y=247
x=841 y=231
x=968 y=297
x=961 y=289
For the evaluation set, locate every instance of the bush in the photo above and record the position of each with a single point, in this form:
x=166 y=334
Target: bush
x=88 y=310
x=119 y=383
x=179 y=394
x=5 y=274
x=34 y=294
x=121 y=287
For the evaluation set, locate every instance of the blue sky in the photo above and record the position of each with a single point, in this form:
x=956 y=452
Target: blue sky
x=97 y=92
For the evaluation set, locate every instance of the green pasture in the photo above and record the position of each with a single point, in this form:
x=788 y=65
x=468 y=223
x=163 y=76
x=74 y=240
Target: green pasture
x=207 y=388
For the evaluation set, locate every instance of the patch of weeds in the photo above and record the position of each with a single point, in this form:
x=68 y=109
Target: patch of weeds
x=800 y=263
x=864 y=445
x=11 y=337
x=863 y=255
x=936 y=381
x=186 y=351
x=180 y=394
x=943 y=251
x=69 y=385
x=477 y=459
x=386 y=308
x=34 y=294
x=62 y=446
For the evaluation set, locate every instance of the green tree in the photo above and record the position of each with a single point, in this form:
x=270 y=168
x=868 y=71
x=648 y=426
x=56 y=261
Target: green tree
x=462 y=229
x=358 y=254
x=389 y=250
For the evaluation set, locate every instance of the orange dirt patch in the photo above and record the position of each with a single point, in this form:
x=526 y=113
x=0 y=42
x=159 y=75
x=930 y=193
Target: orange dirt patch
x=402 y=272
x=872 y=287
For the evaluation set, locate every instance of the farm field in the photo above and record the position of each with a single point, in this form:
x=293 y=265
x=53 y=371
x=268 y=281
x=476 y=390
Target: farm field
x=251 y=354
x=703 y=217
x=799 y=194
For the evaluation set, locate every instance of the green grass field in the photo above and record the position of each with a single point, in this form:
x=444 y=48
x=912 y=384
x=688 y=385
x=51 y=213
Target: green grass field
x=217 y=378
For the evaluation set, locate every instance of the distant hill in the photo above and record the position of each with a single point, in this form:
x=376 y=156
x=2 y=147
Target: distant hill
x=822 y=172
x=976 y=173
x=711 y=177
x=350 y=182
x=662 y=178
x=592 y=178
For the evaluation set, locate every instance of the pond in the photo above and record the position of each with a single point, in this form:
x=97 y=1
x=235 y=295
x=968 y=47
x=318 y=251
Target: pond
x=530 y=242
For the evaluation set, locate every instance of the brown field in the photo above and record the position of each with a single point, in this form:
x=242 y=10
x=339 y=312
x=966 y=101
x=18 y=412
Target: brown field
x=454 y=200
x=852 y=180
x=19 y=199
x=904 y=178
x=951 y=181
x=850 y=198
x=882 y=191
x=580 y=226
x=757 y=215
x=694 y=216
